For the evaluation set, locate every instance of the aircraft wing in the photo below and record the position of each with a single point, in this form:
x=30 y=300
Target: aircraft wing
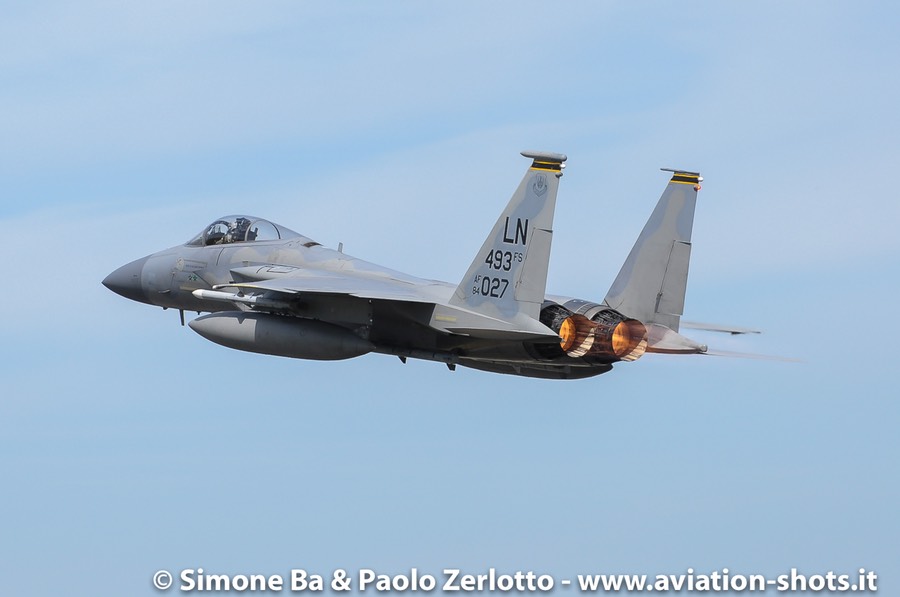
x=281 y=280
x=281 y=284
x=338 y=284
x=714 y=327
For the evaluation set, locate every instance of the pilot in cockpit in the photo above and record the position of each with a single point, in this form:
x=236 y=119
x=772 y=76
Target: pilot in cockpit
x=217 y=233
x=239 y=229
x=223 y=232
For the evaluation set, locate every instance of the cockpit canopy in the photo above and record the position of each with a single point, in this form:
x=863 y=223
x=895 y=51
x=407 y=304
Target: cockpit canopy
x=240 y=229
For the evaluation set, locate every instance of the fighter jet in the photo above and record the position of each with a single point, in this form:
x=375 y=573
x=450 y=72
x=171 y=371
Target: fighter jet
x=270 y=290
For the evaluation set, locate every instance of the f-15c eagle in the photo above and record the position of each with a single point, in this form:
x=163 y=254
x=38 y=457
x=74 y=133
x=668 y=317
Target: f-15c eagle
x=270 y=290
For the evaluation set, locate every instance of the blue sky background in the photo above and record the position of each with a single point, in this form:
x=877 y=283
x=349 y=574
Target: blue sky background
x=129 y=444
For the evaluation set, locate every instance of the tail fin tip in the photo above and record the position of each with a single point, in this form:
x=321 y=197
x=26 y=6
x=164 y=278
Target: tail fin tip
x=685 y=177
x=545 y=160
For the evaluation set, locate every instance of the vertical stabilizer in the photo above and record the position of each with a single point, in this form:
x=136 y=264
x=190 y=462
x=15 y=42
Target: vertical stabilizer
x=650 y=286
x=508 y=277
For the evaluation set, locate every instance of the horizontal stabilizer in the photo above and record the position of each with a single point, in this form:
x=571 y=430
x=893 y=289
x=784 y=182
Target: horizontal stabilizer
x=750 y=355
x=661 y=339
x=713 y=327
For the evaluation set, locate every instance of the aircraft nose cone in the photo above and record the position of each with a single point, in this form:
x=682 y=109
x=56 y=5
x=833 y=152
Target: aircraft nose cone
x=126 y=281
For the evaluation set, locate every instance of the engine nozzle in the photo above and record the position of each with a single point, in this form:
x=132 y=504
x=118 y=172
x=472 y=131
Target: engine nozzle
x=619 y=339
